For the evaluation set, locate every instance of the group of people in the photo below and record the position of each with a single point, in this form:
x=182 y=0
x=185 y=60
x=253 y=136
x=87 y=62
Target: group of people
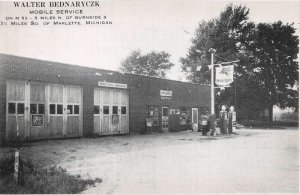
x=227 y=122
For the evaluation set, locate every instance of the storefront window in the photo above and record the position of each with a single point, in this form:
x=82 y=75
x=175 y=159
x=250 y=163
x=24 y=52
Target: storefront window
x=203 y=109
x=152 y=112
x=184 y=115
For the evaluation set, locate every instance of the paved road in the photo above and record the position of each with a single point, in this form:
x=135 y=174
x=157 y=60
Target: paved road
x=253 y=161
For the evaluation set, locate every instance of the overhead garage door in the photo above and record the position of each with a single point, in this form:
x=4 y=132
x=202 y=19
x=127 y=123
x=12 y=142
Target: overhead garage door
x=110 y=111
x=42 y=111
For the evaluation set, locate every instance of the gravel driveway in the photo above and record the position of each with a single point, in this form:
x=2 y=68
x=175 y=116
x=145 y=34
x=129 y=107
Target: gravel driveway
x=184 y=162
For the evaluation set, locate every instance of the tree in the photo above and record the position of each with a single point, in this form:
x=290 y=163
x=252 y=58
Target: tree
x=274 y=53
x=151 y=64
x=268 y=70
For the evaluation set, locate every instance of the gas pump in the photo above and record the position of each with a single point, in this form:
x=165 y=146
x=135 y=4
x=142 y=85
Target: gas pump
x=232 y=120
x=224 y=120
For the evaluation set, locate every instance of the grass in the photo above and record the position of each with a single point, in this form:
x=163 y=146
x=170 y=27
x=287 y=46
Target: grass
x=32 y=180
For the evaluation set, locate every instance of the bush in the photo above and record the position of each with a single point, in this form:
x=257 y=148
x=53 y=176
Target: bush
x=267 y=124
x=34 y=180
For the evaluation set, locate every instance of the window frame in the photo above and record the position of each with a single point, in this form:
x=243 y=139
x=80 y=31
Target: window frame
x=155 y=116
x=16 y=108
x=72 y=105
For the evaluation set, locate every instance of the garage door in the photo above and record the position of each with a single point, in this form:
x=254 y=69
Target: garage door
x=110 y=111
x=42 y=111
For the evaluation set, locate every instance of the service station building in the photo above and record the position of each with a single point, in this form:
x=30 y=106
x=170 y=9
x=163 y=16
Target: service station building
x=48 y=100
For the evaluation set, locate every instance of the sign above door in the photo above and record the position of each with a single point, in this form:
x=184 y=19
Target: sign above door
x=165 y=95
x=113 y=85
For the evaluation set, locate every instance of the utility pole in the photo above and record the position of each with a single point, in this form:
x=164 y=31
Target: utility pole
x=212 y=80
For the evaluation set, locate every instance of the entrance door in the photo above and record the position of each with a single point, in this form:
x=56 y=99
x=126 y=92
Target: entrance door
x=165 y=119
x=195 y=119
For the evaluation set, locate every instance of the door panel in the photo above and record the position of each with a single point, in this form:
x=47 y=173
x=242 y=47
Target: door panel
x=73 y=111
x=56 y=93
x=55 y=128
x=165 y=119
x=11 y=125
x=37 y=111
x=123 y=124
x=16 y=91
x=73 y=126
x=55 y=111
x=195 y=119
x=15 y=110
x=105 y=125
x=97 y=124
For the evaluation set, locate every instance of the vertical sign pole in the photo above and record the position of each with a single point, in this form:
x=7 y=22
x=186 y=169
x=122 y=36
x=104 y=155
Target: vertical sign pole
x=16 y=169
x=212 y=83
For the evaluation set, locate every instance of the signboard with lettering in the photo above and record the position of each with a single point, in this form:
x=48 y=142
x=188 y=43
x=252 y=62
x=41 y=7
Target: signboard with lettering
x=113 y=85
x=165 y=95
x=37 y=120
x=224 y=75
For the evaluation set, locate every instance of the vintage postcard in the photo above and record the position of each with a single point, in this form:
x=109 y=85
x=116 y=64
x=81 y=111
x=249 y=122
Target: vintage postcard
x=149 y=97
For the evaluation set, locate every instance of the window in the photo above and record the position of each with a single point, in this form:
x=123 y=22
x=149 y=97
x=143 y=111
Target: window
x=204 y=109
x=115 y=109
x=33 y=109
x=73 y=109
x=105 y=109
x=76 y=109
x=37 y=109
x=59 y=109
x=165 y=112
x=41 y=108
x=123 y=109
x=96 y=110
x=52 y=109
x=184 y=116
x=153 y=113
x=20 y=108
x=70 y=109
x=11 y=108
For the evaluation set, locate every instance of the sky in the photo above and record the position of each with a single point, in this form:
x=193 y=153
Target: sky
x=159 y=25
